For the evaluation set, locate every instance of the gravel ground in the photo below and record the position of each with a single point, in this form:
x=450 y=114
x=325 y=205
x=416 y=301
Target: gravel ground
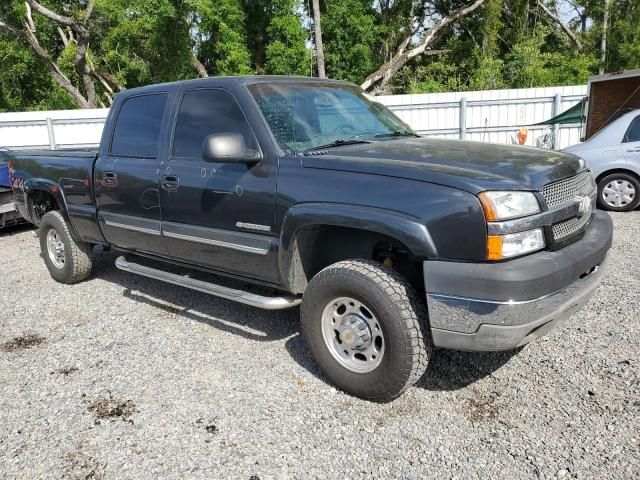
x=125 y=377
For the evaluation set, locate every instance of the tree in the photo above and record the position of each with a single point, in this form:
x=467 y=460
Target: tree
x=77 y=33
x=219 y=37
x=428 y=25
x=277 y=38
x=353 y=39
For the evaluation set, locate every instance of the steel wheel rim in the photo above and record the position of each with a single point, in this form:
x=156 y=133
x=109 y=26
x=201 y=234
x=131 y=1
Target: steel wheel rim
x=55 y=248
x=618 y=193
x=352 y=334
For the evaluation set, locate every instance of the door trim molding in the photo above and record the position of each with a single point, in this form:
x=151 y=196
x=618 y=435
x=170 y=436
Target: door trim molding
x=244 y=242
x=131 y=227
x=131 y=222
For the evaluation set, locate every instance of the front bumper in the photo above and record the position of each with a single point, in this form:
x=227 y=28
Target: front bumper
x=501 y=306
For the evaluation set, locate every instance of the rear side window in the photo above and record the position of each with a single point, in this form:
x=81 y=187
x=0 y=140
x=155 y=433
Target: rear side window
x=137 y=130
x=633 y=134
x=204 y=112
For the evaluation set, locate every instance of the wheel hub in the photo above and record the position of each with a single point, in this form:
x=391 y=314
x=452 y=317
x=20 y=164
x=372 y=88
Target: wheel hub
x=618 y=193
x=355 y=332
x=55 y=248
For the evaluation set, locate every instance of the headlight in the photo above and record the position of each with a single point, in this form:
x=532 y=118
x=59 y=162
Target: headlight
x=508 y=205
x=514 y=244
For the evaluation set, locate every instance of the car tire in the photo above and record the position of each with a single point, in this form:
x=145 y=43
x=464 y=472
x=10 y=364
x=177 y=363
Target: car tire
x=612 y=192
x=68 y=261
x=367 y=301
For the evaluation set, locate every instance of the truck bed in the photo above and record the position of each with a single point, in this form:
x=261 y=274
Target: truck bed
x=65 y=174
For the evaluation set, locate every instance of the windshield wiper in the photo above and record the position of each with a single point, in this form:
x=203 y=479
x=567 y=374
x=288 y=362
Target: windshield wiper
x=337 y=143
x=396 y=133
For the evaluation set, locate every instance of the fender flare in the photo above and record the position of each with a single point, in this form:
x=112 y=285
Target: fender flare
x=404 y=228
x=48 y=186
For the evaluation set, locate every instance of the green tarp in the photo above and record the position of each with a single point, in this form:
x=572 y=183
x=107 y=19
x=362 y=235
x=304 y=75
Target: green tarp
x=572 y=115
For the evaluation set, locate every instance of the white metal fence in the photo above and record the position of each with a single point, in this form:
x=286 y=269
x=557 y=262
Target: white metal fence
x=487 y=116
x=492 y=115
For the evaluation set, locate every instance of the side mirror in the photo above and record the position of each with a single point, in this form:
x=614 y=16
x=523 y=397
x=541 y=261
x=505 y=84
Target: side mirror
x=228 y=147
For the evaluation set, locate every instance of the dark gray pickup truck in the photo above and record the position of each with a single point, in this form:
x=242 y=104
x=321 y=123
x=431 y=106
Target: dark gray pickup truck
x=391 y=243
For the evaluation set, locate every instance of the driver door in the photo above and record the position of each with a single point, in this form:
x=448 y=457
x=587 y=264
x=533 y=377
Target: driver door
x=217 y=214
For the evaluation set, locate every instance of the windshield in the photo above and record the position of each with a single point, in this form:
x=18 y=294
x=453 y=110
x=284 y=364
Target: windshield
x=308 y=115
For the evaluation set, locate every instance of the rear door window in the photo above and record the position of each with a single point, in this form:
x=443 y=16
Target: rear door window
x=137 y=130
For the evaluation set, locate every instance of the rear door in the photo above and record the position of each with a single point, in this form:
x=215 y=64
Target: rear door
x=217 y=214
x=126 y=175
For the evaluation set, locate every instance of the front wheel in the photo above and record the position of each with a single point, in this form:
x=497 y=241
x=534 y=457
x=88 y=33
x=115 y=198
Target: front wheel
x=68 y=261
x=367 y=329
x=619 y=192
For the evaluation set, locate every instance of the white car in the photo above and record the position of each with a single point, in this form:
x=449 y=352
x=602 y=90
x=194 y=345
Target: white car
x=613 y=155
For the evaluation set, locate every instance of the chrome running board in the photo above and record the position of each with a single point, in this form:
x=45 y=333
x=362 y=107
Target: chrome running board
x=266 y=303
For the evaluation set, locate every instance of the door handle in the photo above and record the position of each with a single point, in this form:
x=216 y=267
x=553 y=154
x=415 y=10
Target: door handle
x=637 y=149
x=110 y=178
x=170 y=183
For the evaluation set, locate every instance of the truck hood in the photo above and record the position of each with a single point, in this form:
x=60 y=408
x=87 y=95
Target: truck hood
x=470 y=166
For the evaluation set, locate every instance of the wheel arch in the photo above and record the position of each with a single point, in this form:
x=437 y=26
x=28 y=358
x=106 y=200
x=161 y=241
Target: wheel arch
x=40 y=191
x=617 y=170
x=344 y=231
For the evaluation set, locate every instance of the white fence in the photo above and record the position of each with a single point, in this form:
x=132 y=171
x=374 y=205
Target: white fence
x=487 y=116
x=52 y=129
x=492 y=115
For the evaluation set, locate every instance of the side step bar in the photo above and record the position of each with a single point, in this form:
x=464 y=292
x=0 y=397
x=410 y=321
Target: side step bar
x=267 y=303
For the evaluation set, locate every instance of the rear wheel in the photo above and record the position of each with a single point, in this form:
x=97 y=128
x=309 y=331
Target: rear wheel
x=367 y=329
x=68 y=261
x=619 y=192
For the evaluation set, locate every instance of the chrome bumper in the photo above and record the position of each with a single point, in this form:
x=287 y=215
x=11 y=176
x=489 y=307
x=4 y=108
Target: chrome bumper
x=507 y=325
x=501 y=306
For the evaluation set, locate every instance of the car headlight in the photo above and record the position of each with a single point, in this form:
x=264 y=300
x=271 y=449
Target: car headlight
x=500 y=247
x=507 y=205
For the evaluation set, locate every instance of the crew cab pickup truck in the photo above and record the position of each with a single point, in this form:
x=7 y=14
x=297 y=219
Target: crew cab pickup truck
x=391 y=243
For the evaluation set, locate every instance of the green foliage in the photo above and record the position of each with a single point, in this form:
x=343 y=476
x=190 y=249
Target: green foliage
x=143 y=41
x=286 y=51
x=137 y=42
x=218 y=30
x=25 y=84
x=352 y=39
x=277 y=38
x=624 y=36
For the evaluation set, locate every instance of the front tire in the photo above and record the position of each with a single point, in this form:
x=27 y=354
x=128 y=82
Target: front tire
x=68 y=261
x=367 y=329
x=619 y=192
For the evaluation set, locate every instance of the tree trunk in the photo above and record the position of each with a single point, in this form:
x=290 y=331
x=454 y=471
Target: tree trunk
x=603 y=44
x=199 y=67
x=318 y=38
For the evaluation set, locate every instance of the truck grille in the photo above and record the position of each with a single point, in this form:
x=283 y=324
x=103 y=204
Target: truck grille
x=568 y=227
x=564 y=191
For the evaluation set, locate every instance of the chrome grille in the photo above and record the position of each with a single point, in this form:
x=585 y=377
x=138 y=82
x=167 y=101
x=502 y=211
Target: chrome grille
x=564 y=191
x=568 y=227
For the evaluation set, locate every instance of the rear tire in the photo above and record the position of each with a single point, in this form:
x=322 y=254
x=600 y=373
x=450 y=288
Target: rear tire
x=367 y=329
x=619 y=192
x=68 y=261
